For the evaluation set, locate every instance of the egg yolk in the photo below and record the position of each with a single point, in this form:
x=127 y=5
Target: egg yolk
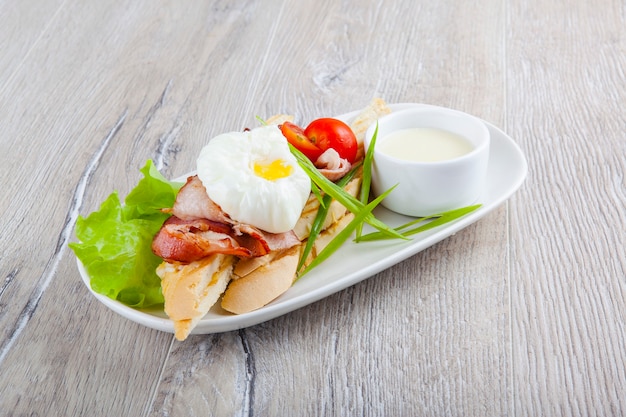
x=273 y=171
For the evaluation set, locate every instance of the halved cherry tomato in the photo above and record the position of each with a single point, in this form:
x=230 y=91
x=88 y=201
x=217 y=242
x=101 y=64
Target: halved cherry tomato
x=296 y=136
x=332 y=133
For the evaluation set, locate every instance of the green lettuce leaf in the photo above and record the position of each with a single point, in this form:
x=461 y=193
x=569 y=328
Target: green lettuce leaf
x=115 y=241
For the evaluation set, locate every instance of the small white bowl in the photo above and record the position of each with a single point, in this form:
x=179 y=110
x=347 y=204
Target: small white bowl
x=427 y=188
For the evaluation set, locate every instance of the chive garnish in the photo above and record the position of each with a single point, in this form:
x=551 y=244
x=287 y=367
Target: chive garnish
x=343 y=235
x=320 y=217
x=367 y=176
x=432 y=222
x=339 y=194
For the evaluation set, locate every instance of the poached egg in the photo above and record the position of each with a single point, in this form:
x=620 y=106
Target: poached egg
x=254 y=178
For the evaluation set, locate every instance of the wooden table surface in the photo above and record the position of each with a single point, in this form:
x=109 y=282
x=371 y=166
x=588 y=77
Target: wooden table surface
x=520 y=314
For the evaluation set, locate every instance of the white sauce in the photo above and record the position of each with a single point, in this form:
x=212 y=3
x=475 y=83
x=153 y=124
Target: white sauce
x=424 y=145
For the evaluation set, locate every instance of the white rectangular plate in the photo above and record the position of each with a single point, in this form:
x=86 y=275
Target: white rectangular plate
x=354 y=262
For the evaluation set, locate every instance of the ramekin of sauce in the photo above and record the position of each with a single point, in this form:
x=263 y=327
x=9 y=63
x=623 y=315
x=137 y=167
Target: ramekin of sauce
x=437 y=157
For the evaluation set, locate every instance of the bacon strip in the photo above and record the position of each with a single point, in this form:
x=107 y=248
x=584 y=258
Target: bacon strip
x=199 y=228
x=188 y=241
x=270 y=241
x=193 y=202
x=332 y=166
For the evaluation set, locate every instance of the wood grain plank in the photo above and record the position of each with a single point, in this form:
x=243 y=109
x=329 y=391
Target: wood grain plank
x=22 y=25
x=417 y=339
x=60 y=366
x=207 y=375
x=566 y=85
x=353 y=55
x=92 y=113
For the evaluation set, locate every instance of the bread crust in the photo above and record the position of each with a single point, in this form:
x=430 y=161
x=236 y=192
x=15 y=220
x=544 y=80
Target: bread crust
x=262 y=285
x=190 y=290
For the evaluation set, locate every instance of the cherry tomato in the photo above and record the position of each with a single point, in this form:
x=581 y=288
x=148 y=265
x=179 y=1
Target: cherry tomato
x=296 y=136
x=332 y=133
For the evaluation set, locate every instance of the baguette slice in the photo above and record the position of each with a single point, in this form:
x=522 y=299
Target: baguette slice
x=190 y=290
x=279 y=119
x=376 y=109
x=262 y=285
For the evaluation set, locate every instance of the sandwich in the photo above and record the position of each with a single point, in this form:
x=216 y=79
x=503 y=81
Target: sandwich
x=238 y=227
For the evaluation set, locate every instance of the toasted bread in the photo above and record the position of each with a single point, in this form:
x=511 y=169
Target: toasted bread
x=258 y=281
x=264 y=284
x=190 y=290
x=375 y=110
x=279 y=119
